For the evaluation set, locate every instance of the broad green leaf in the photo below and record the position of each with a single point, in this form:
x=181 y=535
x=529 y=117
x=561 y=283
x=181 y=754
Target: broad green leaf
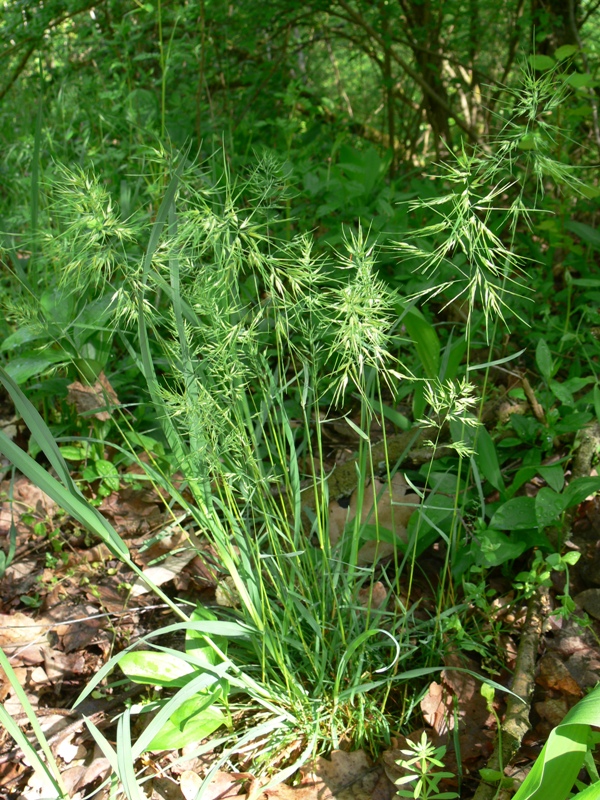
x=554 y=476
x=494 y=548
x=556 y=768
x=586 y=233
x=451 y=358
x=72 y=453
x=195 y=641
x=522 y=475
x=23 y=368
x=573 y=423
x=199 y=725
x=518 y=513
x=194 y=689
x=566 y=51
x=426 y=340
x=597 y=401
x=487 y=459
x=377 y=533
x=529 y=141
x=548 y=506
x=541 y=62
x=561 y=393
x=589 y=793
x=419 y=404
x=580 y=80
x=580 y=488
x=108 y=472
x=543 y=359
x=575 y=385
x=156 y=669
x=24 y=335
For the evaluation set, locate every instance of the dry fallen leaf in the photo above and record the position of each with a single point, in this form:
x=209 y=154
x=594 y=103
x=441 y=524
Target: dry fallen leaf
x=553 y=674
x=223 y=785
x=552 y=710
x=436 y=711
x=346 y=776
x=22 y=638
x=89 y=398
x=394 y=508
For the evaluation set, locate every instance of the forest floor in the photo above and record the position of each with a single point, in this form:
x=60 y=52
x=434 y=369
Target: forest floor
x=66 y=606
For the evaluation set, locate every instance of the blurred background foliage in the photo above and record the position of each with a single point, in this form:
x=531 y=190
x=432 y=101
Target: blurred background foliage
x=356 y=104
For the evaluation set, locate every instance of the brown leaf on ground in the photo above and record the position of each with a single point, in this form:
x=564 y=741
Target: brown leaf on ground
x=133 y=512
x=174 y=552
x=589 y=600
x=374 y=596
x=72 y=634
x=91 y=398
x=98 y=769
x=552 y=711
x=223 y=785
x=26 y=499
x=59 y=666
x=436 y=712
x=394 y=508
x=475 y=721
x=22 y=638
x=584 y=667
x=554 y=675
x=347 y=776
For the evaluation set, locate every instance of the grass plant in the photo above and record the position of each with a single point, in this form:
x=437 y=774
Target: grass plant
x=244 y=340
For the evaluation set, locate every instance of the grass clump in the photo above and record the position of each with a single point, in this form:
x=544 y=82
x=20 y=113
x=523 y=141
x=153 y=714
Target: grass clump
x=259 y=335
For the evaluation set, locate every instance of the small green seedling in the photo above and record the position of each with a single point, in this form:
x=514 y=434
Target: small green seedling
x=422 y=760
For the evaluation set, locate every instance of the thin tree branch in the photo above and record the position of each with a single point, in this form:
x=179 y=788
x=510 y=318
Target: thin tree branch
x=592 y=10
x=18 y=70
x=427 y=89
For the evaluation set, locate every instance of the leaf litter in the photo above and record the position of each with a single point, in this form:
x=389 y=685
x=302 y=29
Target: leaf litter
x=87 y=606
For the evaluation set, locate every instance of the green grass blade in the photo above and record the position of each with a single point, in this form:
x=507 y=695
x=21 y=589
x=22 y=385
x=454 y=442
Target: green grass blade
x=162 y=215
x=103 y=744
x=126 y=759
x=35 y=175
x=74 y=504
x=47 y=770
x=39 y=430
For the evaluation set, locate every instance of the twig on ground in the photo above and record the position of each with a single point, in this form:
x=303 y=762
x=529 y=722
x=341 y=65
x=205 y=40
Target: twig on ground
x=537 y=409
x=516 y=721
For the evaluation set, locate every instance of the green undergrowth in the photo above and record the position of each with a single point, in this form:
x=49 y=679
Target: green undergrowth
x=245 y=342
